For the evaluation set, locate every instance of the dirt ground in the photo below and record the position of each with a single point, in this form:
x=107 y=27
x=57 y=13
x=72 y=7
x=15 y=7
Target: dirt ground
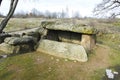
x=41 y=66
x=47 y=67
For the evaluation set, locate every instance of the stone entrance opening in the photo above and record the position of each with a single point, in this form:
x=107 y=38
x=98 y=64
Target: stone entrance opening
x=70 y=33
x=64 y=36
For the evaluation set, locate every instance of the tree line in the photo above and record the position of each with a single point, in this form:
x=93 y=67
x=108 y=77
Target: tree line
x=47 y=14
x=106 y=6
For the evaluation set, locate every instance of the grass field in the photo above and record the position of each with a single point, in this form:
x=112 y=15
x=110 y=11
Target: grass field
x=40 y=66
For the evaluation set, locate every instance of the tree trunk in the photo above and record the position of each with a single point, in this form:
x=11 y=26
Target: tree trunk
x=9 y=15
x=0 y=2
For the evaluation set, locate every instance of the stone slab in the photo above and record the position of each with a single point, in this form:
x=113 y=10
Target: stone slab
x=64 y=50
x=68 y=27
x=16 y=49
x=9 y=49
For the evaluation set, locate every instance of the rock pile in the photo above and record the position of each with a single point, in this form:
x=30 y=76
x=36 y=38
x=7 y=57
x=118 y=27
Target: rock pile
x=20 y=44
x=64 y=40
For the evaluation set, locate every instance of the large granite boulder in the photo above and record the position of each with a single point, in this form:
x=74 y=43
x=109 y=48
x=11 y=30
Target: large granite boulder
x=64 y=50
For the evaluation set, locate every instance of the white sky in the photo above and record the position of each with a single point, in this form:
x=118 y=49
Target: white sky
x=84 y=7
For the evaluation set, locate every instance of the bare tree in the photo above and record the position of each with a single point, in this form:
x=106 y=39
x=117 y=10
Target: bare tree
x=0 y=2
x=13 y=5
x=108 y=7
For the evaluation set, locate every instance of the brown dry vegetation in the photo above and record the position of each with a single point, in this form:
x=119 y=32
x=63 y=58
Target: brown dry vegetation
x=40 y=66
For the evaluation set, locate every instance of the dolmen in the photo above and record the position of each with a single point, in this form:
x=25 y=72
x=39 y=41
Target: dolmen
x=67 y=40
x=63 y=39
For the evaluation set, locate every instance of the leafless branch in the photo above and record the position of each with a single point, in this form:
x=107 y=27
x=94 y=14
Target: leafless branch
x=106 y=6
x=9 y=15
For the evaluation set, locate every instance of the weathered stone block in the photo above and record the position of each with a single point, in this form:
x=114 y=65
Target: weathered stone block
x=9 y=49
x=66 y=26
x=15 y=49
x=88 y=41
x=3 y=36
x=35 y=35
x=42 y=31
x=64 y=50
x=18 y=44
x=20 y=40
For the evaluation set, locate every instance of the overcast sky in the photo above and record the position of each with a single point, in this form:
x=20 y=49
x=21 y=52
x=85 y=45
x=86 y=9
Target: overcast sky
x=84 y=7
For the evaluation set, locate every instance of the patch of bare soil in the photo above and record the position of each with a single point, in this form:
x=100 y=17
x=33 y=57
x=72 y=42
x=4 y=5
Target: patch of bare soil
x=83 y=71
x=64 y=69
x=100 y=59
x=41 y=66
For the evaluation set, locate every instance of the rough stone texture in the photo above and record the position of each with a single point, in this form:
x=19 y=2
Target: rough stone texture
x=3 y=36
x=18 y=44
x=34 y=35
x=64 y=36
x=45 y=23
x=42 y=31
x=9 y=49
x=64 y=50
x=88 y=41
x=70 y=33
x=69 y=27
x=15 y=35
x=20 y=40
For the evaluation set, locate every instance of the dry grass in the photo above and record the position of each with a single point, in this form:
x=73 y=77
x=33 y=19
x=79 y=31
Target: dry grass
x=40 y=66
x=22 y=23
